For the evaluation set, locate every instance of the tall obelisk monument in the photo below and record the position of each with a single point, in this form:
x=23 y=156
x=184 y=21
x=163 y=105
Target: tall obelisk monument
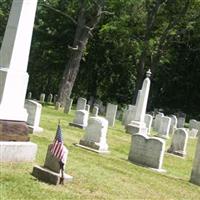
x=14 y=55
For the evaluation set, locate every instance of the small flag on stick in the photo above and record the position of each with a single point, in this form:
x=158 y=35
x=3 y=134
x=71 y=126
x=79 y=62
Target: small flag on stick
x=58 y=149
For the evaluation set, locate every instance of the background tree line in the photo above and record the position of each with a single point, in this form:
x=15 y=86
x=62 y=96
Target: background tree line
x=129 y=37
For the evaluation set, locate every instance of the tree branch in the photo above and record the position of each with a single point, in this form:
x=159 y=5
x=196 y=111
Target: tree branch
x=60 y=12
x=73 y=48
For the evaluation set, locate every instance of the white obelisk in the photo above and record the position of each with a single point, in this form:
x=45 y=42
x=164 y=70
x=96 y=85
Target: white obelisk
x=14 y=56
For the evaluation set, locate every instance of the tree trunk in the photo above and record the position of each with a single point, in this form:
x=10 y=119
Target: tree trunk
x=83 y=32
x=151 y=16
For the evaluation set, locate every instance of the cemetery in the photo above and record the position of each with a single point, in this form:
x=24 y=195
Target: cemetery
x=62 y=143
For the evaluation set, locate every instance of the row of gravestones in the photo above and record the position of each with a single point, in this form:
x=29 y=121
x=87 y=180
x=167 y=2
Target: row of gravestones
x=50 y=98
x=82 y=113
x=148 y=151
x=144 y=150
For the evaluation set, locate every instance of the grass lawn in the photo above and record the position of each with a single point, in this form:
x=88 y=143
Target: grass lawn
x=96 y=176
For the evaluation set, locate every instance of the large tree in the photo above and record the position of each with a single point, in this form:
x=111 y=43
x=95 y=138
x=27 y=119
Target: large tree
x=89 y=15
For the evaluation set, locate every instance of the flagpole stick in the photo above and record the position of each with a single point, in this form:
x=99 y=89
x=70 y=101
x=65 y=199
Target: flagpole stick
x=62 y=173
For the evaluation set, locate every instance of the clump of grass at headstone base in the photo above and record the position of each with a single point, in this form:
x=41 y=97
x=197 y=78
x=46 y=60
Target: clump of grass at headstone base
x=96 y=176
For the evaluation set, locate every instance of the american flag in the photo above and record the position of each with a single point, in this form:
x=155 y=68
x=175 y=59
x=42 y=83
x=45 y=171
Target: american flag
x=58 y=149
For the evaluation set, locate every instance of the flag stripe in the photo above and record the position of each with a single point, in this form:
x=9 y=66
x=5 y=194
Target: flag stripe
x=58 y=149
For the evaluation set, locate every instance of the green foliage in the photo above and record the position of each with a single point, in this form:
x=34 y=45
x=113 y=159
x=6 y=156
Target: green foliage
x=111 y=63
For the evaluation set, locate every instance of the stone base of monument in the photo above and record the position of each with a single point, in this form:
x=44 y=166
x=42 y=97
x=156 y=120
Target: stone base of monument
x=17 y=151
x=34 y=129
x=13 y=131
x=49 y=176
x=77 y=125
x=176 y=153
x=92 y=146
x=136 y=127
x=162 y=136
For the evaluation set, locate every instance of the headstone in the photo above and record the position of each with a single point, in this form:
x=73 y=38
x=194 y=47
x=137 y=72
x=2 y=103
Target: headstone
x=95 y=111
x=14 y=55
x=193 y=124
x=57 y=106
x=51 y=162
x=147 y=151
x=102 y=109
x=138 y=125
x=51 y=172
x=173 y=125
x=129 y=115
x=34 y=112
x=68 y=105
x=42 y=98
x=91 y=101
x=148 y=121
x=157 y=121
x=179 y=142
x=55 y=98
x=29 y=95
x=164 y=127
x=111 y=114
x=195 y=175
x=95 y=135
x=119 y=115
x=81 y=119
x=181 y=120
x=87 y=108
x=192 y=133
x=50 y=98
x=81 y=104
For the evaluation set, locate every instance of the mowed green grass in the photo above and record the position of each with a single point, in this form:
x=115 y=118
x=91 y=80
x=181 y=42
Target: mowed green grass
x=96 y=176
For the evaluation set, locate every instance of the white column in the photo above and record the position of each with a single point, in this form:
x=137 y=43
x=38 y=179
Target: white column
x=14 y=56
x=138 y=124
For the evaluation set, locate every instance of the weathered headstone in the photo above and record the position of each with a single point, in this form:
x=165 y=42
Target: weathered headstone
x=51 y=172
x=181 y=120
x=157 y=121
x=129 y=115
x=148 y=121
x=111 y=111
x=193 y=124
x=179 y=142
x=95 y=111
x=42 y=98
x=91 y=101
x=68 y=105
x=81 y=119
x=87 y=108
x=81 y=104
x=14 y=55
x=195 y=175
x=29 y=95
x=192 y=133
x=34 y=112
x=173 y=125
x=164 y=127
x=147 y=151
x=95 y=135
x=138 y=125
x=55 y=98
x=50 y=98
